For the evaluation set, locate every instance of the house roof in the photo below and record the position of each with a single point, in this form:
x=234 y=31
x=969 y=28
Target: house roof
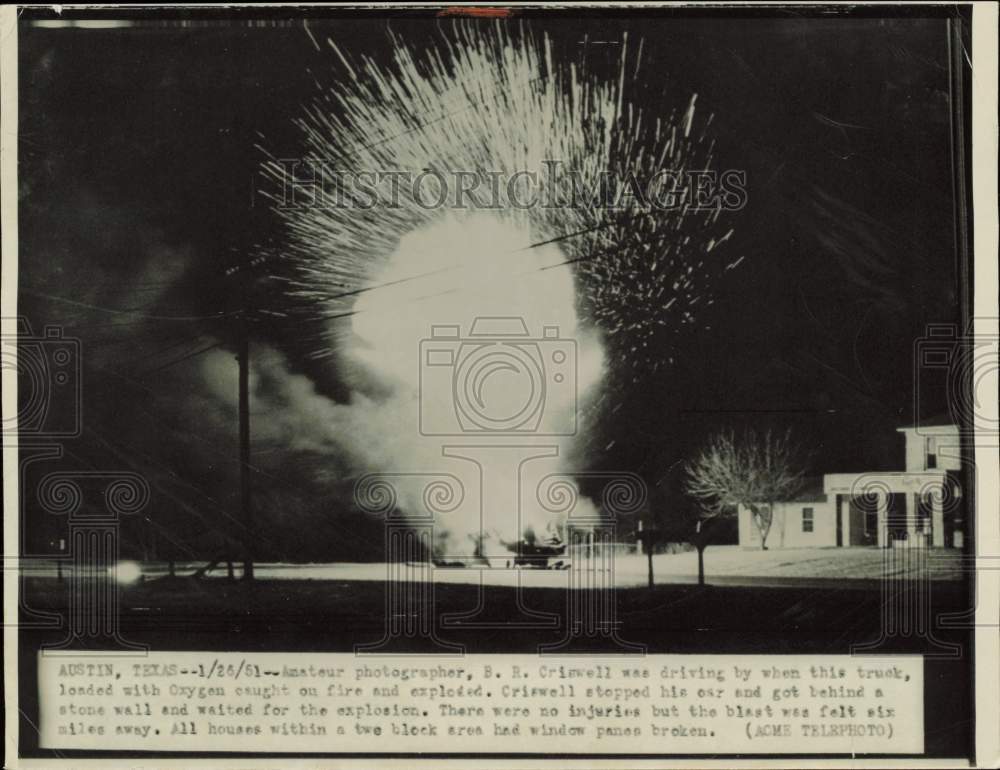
x=943 y=420
x=811 y=492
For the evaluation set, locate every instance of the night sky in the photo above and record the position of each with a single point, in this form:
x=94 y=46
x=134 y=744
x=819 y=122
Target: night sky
x=138 y=183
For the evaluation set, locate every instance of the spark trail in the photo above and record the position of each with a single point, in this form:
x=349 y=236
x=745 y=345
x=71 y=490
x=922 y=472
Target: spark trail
x=619 y=277
x=493 y=100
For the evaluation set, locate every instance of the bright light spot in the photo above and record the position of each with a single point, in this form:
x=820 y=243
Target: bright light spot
x=80 y=23
x=473 y=334
x=126 y=572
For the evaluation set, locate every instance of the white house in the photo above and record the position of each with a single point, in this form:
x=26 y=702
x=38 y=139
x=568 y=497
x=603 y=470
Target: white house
x=916 y=507
x=807 y=520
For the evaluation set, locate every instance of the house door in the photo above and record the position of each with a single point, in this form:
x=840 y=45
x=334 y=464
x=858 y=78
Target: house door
x=896 y=517
x=864 y=521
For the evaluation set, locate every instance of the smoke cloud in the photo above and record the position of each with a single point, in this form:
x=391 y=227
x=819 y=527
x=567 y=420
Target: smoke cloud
x=449 y=274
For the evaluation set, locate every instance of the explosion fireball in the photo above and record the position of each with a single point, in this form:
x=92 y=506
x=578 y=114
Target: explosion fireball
x=485 y=177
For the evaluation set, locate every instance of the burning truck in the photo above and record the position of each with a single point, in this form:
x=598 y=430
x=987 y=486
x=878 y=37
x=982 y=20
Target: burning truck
x=533 y=551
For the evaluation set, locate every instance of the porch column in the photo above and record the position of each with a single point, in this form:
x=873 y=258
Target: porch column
x=882 y=518
x=845 y=520
x=937 y=521
x=912 y=519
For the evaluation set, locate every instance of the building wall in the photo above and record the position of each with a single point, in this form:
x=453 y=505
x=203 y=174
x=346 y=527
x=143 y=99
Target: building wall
x=943 y=439
x=902 y=488
x=786 y=529
x=892 y=501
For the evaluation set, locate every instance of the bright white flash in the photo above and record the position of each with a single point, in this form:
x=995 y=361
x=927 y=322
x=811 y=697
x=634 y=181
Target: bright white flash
x=463 y=277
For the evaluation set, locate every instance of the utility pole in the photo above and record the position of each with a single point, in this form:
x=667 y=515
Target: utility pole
x=645 y=538
x=244 y=276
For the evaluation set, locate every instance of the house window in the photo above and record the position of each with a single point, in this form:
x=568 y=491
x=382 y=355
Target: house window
x=931 y=452
x=807 y=519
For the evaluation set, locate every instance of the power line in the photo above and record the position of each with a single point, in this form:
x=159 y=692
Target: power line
x=176 y=343
x=537 y=244
x=129 y=459
x=125 y=311
x=576 y=260
x=166 y=533
x=185 y=357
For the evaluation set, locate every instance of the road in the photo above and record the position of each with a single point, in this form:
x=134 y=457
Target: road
x=724 y=565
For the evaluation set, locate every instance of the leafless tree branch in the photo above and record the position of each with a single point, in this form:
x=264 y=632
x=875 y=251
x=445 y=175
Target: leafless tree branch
x=753 y=470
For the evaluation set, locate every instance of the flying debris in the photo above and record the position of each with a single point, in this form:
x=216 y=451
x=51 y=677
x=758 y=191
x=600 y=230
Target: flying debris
x=456 y=123
x=488 y=177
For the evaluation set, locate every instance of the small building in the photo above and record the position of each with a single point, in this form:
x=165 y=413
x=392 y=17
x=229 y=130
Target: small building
x=808 y=520
x=916 y=507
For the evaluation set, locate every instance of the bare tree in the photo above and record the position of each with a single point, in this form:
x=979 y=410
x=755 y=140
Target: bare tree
x=753 y=470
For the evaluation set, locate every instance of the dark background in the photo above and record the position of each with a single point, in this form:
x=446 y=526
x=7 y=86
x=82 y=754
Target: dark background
x=138 y=190
x=137 y=161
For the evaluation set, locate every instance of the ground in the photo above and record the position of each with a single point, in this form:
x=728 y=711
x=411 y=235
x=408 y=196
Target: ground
x=724 y=564
x=756 y=602
x=812 y=589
